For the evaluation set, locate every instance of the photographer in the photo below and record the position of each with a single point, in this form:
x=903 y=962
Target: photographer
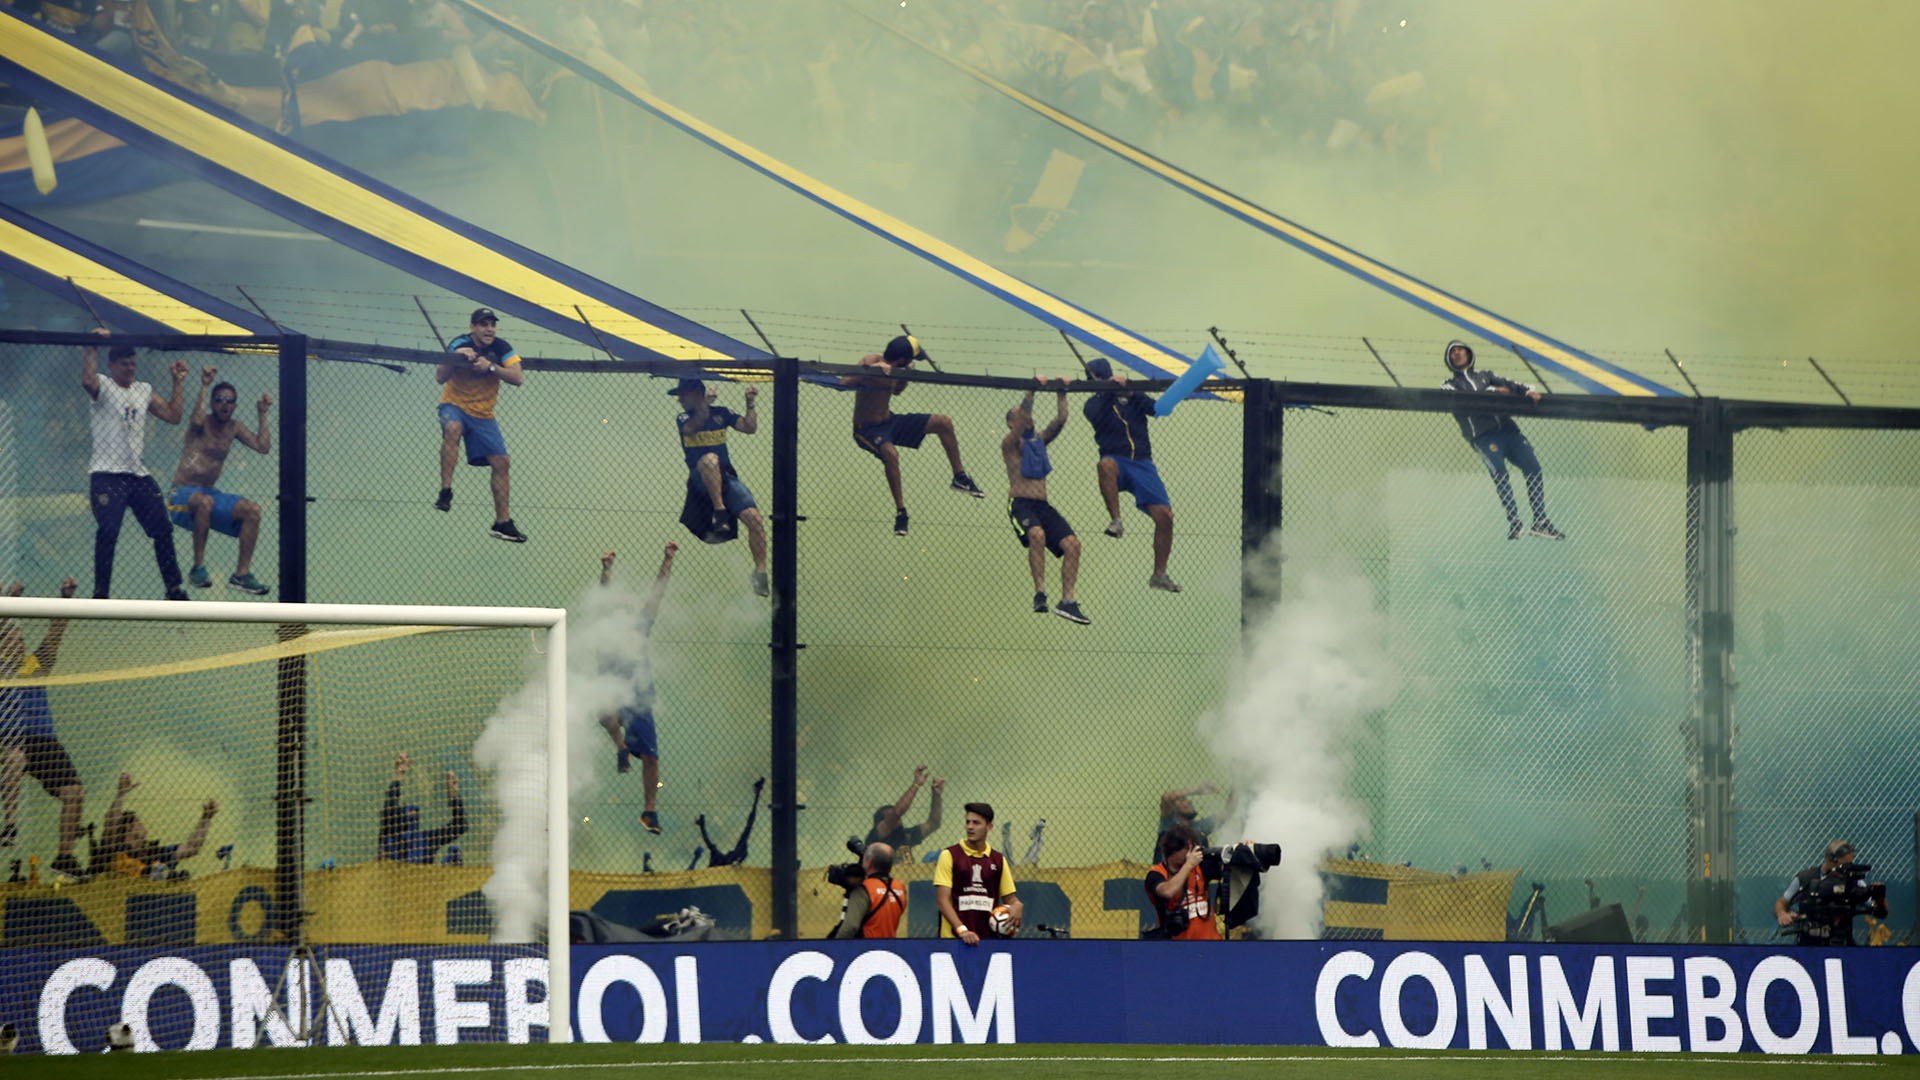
x=877 y=903
x=1828 y=896
x=1177 y=886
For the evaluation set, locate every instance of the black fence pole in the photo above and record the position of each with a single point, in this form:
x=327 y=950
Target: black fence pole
x=290 y=789
x=784 y=563
x=1261 y=428
x=1710 y=816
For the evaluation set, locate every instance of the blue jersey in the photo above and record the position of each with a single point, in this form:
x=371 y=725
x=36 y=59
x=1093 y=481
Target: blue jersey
x=710 y=439
x=1120 y=424
x=24 y=711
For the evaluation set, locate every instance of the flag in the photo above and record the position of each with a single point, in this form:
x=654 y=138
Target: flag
x=1200 y=370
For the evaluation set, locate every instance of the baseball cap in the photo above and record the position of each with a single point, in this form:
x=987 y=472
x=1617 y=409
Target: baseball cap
x=1100 y=368
x=685 y=385
x=481 y=315
x=904 y=347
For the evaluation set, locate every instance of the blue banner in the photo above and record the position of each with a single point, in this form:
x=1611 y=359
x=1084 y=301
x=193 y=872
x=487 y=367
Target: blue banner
x=1650 y=998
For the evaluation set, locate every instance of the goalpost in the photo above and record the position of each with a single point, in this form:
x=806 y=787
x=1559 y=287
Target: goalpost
x=193 y=679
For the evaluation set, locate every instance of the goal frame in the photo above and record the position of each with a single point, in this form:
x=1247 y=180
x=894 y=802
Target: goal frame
x=553 y=620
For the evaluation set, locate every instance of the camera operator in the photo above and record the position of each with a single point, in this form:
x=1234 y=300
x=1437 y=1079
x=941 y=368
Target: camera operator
x=1828 y=896
x=1177 y=886
x=876 y=906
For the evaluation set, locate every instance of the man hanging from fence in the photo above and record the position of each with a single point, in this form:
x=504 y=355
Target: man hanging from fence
x=879 y=431
x=471 y=387
x=631 y=726
x=1039 y=527
x=716 y=497
x=118 y=480
x=1499 y=440
x=1119 y=422
x=28 y=744
x=196 y=504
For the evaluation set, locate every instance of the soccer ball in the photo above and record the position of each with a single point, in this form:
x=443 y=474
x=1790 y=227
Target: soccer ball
x=119 y=1037
x=1003 y=921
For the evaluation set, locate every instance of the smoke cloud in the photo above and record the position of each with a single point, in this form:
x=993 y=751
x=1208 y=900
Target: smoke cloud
x=608 y=666
x=1314 y=668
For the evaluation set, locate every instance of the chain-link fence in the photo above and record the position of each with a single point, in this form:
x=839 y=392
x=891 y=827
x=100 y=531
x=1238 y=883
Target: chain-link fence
x=1533 y=710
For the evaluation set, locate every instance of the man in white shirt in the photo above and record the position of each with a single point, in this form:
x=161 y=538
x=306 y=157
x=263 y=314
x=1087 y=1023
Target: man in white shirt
x=119 y=479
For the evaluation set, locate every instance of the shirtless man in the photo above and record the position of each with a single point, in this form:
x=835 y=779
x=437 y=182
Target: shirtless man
x=1038 y=525
x=878 y=431
x=194 y=503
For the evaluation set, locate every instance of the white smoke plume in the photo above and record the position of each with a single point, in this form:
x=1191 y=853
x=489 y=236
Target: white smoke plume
x=1315 y=666
x=607 y=667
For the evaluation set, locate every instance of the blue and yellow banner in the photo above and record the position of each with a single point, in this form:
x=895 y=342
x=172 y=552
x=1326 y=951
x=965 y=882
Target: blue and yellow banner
x=1136 y=351
x=309 y=189
x=1589 y=371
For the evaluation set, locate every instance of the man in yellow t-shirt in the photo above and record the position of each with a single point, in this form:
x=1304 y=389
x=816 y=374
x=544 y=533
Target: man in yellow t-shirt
x=971 y=879
x=472 y=381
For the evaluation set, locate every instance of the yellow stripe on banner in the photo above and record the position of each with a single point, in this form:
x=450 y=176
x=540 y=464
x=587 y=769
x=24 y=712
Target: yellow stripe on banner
x=319 y=189
x=36 y=250
x=319 y=642
x=1344 y=255
x=933 y=246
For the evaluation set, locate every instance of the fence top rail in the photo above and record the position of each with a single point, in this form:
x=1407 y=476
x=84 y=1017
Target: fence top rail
x=228 y=611
x=1653 y=411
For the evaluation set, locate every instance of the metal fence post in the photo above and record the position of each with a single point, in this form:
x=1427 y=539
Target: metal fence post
x=1710 y=821
x=290 y=788
x=786 y=648
x=1261 y=431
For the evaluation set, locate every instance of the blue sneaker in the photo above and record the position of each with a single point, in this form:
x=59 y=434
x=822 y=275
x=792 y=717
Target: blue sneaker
x=199 y=578
x=247 y=583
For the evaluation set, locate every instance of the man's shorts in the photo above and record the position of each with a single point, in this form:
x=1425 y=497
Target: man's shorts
x=733 y=493
x=47 y=760
x=1143 y=479
x=1029 y=513
x=900 y=429
x=642 y=741
x=221 y=520
x=482 y=436
x=1497 y=448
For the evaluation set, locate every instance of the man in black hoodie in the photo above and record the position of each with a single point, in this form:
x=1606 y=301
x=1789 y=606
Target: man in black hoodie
x=1499 y=440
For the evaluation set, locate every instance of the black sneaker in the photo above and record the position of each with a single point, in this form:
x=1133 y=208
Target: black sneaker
x=1545 y=530
x=1039 y=603
x=445 y=501
x=1070 y=611
x=504 y=530
x=176 y=593
x=1514 y=529
x=900 y=523
x=964 y=484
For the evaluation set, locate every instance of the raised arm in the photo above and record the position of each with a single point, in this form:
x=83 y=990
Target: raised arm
x=113 y=827
x=932 y=824
x=876 y=362
x=897 y=813
x=1053 y=429
x=49 y=650
x=455 y=828
x=90 y=366
x=172 y=409
x=748 y=422
x=198 y=840
x=259 y=441
x=199 y=417
x=1011 y=439
x=651 y=609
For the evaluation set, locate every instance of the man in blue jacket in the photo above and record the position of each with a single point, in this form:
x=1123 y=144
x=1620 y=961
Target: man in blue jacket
x=1499 y=440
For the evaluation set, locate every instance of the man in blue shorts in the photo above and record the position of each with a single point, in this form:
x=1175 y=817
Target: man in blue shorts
x=196 y=504
x=716 y=498
x=631 y=727
x=878 y=431
x=472 y=386
x=28 y=745
x=1119 y=422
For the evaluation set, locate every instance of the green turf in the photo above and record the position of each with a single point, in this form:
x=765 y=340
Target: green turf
x=718 y=1061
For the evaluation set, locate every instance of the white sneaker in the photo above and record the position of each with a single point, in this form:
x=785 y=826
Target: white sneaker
x=1115 y=528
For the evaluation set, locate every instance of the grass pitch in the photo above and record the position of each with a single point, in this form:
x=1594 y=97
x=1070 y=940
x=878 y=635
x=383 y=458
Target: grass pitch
x=725 y=1061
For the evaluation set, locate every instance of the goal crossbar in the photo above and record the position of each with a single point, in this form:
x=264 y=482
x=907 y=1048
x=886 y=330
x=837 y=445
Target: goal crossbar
x=553 y=620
